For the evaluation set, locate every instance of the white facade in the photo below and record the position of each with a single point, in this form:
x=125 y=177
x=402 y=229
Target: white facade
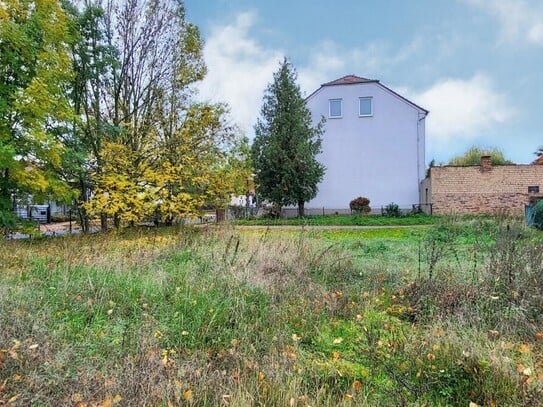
x=373 y=144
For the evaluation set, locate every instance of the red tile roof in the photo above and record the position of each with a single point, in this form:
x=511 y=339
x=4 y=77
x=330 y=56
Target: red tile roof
x=348 y=80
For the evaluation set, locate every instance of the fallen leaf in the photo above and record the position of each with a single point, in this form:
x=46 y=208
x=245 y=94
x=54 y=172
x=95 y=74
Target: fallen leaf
x=111 y=401
x=187 y=395
x=337 y=341
x=523 y=348
x=357 y=385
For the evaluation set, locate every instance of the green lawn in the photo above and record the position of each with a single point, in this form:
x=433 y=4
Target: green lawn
x=438 y=315
x=343 y=220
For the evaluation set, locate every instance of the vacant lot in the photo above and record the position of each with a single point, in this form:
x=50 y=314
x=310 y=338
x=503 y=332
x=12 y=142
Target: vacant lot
x=445 y=314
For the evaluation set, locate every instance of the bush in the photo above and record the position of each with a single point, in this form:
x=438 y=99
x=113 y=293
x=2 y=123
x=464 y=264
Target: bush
x=538 y=215
x=392 y=211
x=360 y=205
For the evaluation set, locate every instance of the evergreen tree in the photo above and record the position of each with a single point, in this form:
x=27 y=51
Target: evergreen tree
x=286 y=144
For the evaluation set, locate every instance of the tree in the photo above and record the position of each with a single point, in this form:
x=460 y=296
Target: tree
x=166 y=156
x=93 y=61
x=286 y=144
x=474 y=154
x=539 y=154
x=35 y=70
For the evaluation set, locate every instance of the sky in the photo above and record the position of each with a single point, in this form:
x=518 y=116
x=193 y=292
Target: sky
x=476 y=65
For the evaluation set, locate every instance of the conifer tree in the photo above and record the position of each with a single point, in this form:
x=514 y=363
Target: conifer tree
x=286 y=144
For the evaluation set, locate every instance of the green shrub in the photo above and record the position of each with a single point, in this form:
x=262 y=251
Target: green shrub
x=360 y=205
x=538 y=215
x=392 y=210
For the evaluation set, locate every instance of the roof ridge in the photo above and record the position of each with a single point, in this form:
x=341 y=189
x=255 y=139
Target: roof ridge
x=349 y=79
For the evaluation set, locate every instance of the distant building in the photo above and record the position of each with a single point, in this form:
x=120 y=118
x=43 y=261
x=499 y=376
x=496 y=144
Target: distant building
x=373 y=144
x=482 y=189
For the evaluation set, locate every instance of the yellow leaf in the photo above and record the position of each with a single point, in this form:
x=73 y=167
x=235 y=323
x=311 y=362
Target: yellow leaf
x=336 y=355
x=111 y=401
x=523 y=348
x=13 y=399
x=337 y=341
x=261 y=377
x=187 y=395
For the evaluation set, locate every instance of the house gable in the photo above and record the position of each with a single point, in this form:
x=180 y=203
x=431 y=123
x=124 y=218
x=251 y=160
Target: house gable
x=357 y=80
x=373 y=143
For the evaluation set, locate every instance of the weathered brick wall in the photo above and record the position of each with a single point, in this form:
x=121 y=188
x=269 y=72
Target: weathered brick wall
x=503 y=188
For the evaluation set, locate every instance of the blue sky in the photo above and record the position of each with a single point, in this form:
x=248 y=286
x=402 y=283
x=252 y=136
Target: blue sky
x=477 y=65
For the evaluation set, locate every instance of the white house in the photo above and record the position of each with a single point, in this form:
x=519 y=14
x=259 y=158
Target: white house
x=373 y=144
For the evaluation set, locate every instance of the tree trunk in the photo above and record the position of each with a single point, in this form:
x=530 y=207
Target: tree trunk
x=103 y=222
x=301 y=209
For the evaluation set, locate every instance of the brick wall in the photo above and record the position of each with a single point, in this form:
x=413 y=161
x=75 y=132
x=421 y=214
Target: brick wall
x=472 y=189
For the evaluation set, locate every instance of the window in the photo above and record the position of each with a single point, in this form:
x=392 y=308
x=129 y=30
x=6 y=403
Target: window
x=335 y=108
x=534 y=189
x=365 y=107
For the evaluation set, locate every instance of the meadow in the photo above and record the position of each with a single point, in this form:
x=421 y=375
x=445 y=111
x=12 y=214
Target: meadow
x=445 y=314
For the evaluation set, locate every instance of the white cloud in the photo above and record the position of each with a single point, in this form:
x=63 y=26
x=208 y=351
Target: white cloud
x=461 y=109
x=519 y=19
x=239 y=69
x=330 y=61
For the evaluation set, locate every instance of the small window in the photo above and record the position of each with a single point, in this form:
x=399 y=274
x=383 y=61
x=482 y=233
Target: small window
x=365 y=107
x=534 y=189
x=335 y=108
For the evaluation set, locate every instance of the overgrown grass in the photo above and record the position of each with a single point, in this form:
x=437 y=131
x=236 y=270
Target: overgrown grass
x=221 y=316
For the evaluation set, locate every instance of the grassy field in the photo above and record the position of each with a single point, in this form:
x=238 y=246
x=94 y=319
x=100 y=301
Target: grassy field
x=439 y=315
